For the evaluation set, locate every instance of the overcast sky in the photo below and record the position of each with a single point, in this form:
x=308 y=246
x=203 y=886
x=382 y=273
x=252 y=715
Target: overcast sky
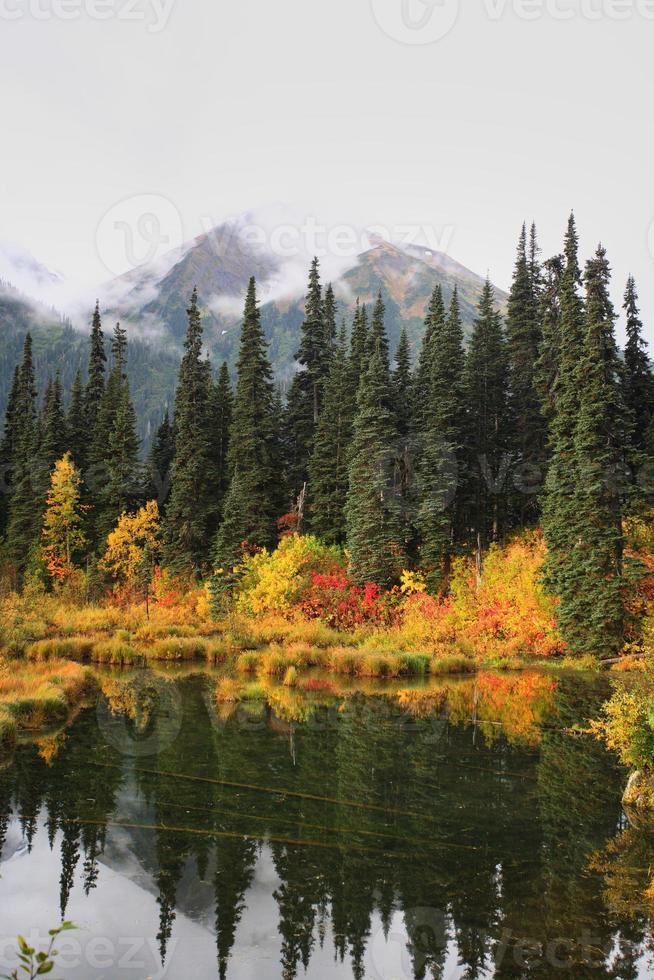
x=353 y=111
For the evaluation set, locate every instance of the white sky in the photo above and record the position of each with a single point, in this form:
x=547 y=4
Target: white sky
x=231 y=106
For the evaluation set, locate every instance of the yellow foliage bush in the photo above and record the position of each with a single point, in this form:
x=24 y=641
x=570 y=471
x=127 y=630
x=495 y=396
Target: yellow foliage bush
x=272 y=581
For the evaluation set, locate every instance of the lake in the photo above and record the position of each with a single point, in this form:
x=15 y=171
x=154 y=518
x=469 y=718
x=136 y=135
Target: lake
x=464 y=829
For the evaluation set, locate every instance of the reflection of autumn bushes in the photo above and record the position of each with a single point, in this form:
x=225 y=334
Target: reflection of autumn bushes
x=516 y=705
x=626 y=865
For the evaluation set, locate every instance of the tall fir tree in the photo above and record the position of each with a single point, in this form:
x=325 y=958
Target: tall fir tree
x=222 y=411
x=359 y=344
x=124 y=488
x=403 y=385
x=251 y=505
x=434 y=322
x=76 y=422
x=95 y=383
x=159 y=464
x=559 y=503
x=375 y=534
x=307 y=388
x=440 y=463
x=23 y=524
x=328 y=467
x=329 y=318
x=590 y=614
x=52 y=438
x=528 y=428
x=485 y=388
x=8 y=448
x=191 y=506
x=547 y=365
x=377 y=336
x=638 y=382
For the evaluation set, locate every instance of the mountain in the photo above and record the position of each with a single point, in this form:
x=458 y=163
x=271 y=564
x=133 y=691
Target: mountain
x=151 y=302
x=221 y=261
x=59 y=347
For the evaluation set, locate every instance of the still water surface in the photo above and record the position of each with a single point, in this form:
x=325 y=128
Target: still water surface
x=326 y=837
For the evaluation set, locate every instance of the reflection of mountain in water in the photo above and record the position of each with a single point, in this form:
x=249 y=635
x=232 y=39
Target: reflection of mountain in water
x=361 y=842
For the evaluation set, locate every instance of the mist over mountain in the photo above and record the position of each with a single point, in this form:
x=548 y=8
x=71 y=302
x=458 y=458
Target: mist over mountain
x=151 y=301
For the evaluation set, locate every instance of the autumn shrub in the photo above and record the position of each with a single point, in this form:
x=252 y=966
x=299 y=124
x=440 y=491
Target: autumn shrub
x=274 y=581
x=508 y=611
x=335 y=600
x=627 y=724
x=290 y=677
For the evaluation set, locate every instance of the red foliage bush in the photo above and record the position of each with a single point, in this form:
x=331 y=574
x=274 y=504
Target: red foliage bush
x=338 y=602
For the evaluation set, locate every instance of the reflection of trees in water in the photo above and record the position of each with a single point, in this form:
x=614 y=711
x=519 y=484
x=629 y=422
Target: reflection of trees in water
x=502 y=845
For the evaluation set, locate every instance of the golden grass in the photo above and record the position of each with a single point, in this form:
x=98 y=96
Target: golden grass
x=42 y=693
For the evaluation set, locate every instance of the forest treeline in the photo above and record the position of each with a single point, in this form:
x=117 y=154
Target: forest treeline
x=408 y=461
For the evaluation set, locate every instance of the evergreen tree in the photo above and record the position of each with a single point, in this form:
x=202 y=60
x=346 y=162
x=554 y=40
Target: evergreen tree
x=8 y=447
x=96 y=373
x=250 y=508
x=440 y=459
x=122 y=493
x=638 y=384
x=485 y=387
x=119 y=350
x=222 y=410
x=306 y=392
x=524 y=337
x=191 y=506
x=377 y=336
x=559 y=504
x=329 y=318
x=159 y=463
x=53 y=432
x=591 y=611
x=434 y=322
x=328 y=467
x=373 y=520
x=25 y=507
x=402 y=385
x=76 y=422
x=547 y=365
x=359 y=344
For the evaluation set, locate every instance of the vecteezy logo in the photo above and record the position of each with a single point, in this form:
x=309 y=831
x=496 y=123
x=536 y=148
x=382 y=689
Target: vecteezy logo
x=416 y=21
x=136 y=231
x=141 y=716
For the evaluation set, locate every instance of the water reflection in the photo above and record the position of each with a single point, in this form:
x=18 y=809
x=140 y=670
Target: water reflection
x=459 y=830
